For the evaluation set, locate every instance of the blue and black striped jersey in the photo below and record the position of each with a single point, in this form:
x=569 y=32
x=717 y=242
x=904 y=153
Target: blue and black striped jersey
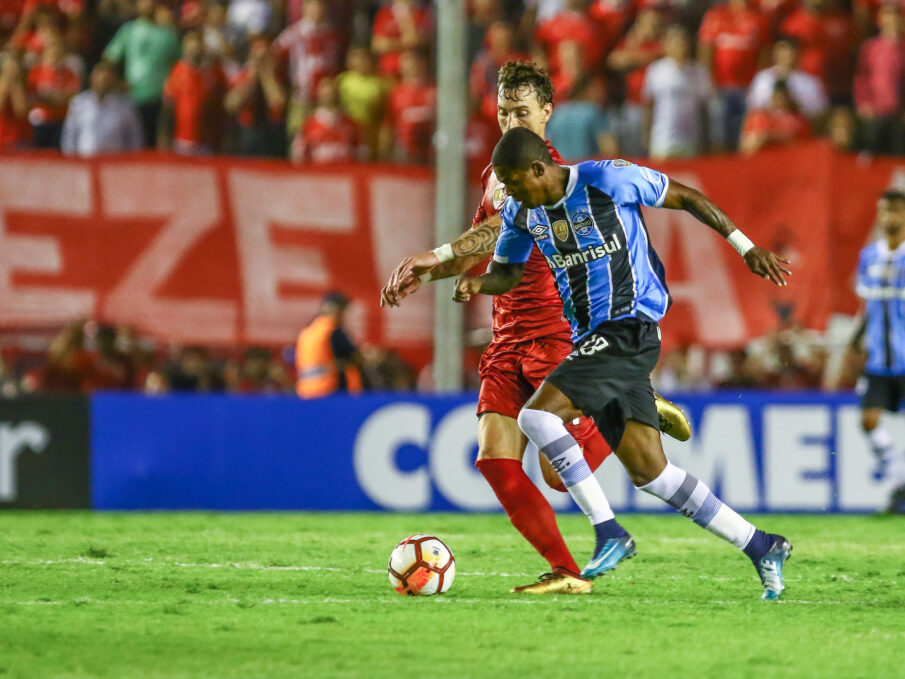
x=596 y=243
x=881 y=283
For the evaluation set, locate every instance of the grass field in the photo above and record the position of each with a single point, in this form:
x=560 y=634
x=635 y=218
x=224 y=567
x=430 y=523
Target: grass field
x=306 y=595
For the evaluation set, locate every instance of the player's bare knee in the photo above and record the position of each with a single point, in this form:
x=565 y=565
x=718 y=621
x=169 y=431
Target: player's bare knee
x=498 y=452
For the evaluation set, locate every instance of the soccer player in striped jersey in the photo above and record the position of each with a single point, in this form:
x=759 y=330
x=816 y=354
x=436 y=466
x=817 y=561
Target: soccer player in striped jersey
x=530 y=338
x=881 y=284
x=586 y=221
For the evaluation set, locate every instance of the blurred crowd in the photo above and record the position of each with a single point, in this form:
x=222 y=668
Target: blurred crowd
x=341 y=80
x=88 y=356
x=788 y=358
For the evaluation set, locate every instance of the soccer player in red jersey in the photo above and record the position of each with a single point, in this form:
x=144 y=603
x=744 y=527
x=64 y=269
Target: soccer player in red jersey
x=530 y=336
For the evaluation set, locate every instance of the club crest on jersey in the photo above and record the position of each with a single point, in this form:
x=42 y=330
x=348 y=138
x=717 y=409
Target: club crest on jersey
x=582 y=223
x=621 y=163
x=561 y=229
x=499 y=197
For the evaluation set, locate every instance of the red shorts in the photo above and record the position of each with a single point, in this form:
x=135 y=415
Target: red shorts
x=512 y=371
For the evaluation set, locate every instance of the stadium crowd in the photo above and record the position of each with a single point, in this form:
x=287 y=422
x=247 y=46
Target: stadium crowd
x=348 y=80
x=88 y=356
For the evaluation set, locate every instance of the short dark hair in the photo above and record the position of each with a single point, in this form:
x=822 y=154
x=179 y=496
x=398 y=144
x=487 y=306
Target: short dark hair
x=893 y=195
x=789 y=40
x=520 y=147
x=514 y=75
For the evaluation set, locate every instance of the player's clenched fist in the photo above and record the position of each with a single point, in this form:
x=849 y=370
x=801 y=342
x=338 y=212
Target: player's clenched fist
x=466 y=287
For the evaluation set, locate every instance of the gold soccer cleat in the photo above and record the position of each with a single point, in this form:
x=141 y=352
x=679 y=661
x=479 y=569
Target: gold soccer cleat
x=672 y=420
x=557 y=582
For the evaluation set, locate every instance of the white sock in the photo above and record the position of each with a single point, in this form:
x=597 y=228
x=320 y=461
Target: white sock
x=548 y=433
x=894 y=464
x=695 y=500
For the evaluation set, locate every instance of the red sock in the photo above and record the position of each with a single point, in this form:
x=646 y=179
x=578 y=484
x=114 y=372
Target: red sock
x=595 y=449
x=528 y=510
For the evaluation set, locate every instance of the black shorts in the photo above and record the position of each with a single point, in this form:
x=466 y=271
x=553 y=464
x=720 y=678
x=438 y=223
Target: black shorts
x=607 y=376
x=882 y=391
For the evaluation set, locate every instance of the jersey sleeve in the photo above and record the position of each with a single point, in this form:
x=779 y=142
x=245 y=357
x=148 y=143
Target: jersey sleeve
x=515 y=243
x=630 y=184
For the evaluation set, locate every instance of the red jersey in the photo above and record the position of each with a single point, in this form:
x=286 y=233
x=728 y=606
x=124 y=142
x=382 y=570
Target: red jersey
x=194 y=91
x=568 y=25
x=780 y=127
x=827 y=41
x=532 y=308
x=634 y=79
x=386 y=24
x=611 y=18
x=326 y=137
x=736 y=39
x=44 y=79
x=411 y=108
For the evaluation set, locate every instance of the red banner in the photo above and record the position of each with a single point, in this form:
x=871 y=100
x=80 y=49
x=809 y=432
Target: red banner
x=222 y=251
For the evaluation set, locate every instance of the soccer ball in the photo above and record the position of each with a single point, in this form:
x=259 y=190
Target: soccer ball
x=421 y=565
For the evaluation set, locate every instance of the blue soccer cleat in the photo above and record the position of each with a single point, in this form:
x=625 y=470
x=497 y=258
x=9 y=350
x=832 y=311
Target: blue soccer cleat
x=608 y=555
x=769 y=567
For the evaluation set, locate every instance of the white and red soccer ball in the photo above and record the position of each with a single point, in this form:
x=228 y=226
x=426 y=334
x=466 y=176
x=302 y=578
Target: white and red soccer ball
x=421 y=565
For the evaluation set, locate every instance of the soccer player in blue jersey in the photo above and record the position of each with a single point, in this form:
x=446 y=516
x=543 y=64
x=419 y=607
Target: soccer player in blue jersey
x=881 y=284
x=586 y=221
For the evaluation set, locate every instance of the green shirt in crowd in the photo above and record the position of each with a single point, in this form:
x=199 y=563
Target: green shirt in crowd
x=148 y=51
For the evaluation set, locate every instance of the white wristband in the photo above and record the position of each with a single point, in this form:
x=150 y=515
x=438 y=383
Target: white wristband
x=425 y=277
x=444 y=253
x=740 y=242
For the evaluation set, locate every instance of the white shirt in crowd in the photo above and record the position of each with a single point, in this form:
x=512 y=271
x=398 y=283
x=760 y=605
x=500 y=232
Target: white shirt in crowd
x=807 y=90
x=546 y=9
x=249 y=17
x=677 y=92
x=95 y=125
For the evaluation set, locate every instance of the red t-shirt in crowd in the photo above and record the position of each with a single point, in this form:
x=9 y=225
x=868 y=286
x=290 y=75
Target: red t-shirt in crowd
x=327 y=137
x=842 y=38
x=634 y=80
x=13 y=131
x=568 y=25
x=879 y=79
x=314 y=52
x=532 y=308
x=47 y=79
x=68 y=7
x=412 y=108
x=736 y=38
x=611 y=17
x=10 y=12
x=780 y=126
x=826 y=42
x=193 y=90
x=386 y=24
x=246 y=115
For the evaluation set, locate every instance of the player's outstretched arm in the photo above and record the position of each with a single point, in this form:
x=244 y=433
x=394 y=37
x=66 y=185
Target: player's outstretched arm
x=760 y=261
x=445 y=261
x=500 y=278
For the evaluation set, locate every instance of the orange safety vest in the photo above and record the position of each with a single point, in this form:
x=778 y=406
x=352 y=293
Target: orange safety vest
x=316 y=365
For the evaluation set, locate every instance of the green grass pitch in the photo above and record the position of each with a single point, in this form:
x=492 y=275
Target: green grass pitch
x=306 y=595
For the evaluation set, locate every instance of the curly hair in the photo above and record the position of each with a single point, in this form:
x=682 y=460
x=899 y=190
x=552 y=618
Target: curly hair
x=514 y=75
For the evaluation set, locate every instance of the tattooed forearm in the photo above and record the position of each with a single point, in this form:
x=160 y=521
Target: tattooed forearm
x=480 y=240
